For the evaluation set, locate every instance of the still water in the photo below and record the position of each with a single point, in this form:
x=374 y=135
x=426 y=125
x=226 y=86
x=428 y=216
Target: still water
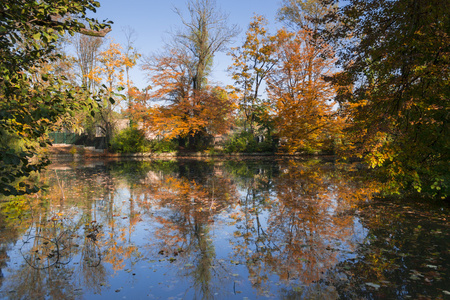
x=219 y=230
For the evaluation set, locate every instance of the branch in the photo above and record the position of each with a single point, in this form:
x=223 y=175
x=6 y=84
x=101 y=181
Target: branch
x=54 y=19
x=84 y=31
x=99 y=33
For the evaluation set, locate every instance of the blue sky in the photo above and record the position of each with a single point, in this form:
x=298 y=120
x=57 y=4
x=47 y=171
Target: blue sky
x=153 y=20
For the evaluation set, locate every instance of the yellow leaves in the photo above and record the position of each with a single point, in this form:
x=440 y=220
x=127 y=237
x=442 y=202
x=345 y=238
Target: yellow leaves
x=96 y=74
x=112 y=68
x=301 y=97
x=379 y=149
x=237 y=216
x=168 y=75
x=251 y=64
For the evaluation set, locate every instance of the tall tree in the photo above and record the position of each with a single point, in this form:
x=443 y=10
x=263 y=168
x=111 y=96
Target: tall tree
x=112 y=63
x=184 y=113
x=180 y=76
x=86 y=55
x=306 y=14
x=87 y=49
x=205 y=33
x=131 y=58
x=251 y=64
x=395 y=57
x=303 y=108
x=29 y=33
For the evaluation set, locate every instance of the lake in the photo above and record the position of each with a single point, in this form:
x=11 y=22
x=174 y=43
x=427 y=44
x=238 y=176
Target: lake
x=220 y=229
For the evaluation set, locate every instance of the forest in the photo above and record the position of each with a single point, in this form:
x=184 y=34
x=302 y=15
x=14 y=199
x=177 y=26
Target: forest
x=364 y=80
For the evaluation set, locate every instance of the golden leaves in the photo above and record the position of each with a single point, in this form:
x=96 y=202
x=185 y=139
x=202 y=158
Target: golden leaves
x=301 y=96
x=112 y=68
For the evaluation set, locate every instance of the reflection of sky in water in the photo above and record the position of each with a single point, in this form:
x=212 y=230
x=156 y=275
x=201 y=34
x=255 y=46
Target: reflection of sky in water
x=250 y=237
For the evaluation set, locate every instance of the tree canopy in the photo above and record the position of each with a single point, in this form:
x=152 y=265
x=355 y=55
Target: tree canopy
x=195 y=109
x=395 y=88
x=33 y=98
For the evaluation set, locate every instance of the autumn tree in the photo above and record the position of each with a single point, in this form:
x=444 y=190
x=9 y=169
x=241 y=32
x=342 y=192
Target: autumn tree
x=306 y=14
x=87 y=49
x=131 y=56
x=395 y=55
x=109 y=73
x=252 y=62
x=180 y=75
x=297 y=86
x=302 y=99
x=29 y=33
x=187 y=114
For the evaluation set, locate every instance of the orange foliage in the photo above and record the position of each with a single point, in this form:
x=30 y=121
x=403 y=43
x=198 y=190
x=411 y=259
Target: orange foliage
x=113 y=63
x=189 y=111
x=209 y=110
x=302 y=98
x=307 y=227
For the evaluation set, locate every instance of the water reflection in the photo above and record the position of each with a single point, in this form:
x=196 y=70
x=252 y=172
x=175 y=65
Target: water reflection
x=197 y=229
x=296 y=225
x=186 y=204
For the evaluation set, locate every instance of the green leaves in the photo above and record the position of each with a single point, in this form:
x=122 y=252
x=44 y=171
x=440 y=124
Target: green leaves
x=11 y=158
x=399 y=64
x=32 y=99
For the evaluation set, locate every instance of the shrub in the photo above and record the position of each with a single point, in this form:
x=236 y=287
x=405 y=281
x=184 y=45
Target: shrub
x=164 y=145
x=130 y=140
x=245 y=142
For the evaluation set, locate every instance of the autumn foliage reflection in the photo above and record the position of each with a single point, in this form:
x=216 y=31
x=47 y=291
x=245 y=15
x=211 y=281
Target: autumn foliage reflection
x=282 y=222
x=302 y=229
x=187 y=207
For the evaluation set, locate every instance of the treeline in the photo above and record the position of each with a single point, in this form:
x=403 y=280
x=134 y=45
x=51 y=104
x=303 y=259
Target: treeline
x=280 y=99
x=366 y=79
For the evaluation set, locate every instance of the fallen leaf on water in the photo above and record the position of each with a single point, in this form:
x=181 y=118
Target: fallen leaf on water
x=374 y=285
x=414 y=277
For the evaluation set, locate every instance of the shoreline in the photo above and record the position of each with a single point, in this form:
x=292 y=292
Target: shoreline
x=66 y=152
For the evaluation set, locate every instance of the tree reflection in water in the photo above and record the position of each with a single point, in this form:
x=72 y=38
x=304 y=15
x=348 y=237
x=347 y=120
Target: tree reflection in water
x=295 y=225
x=187 y=205
x=199 y=229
